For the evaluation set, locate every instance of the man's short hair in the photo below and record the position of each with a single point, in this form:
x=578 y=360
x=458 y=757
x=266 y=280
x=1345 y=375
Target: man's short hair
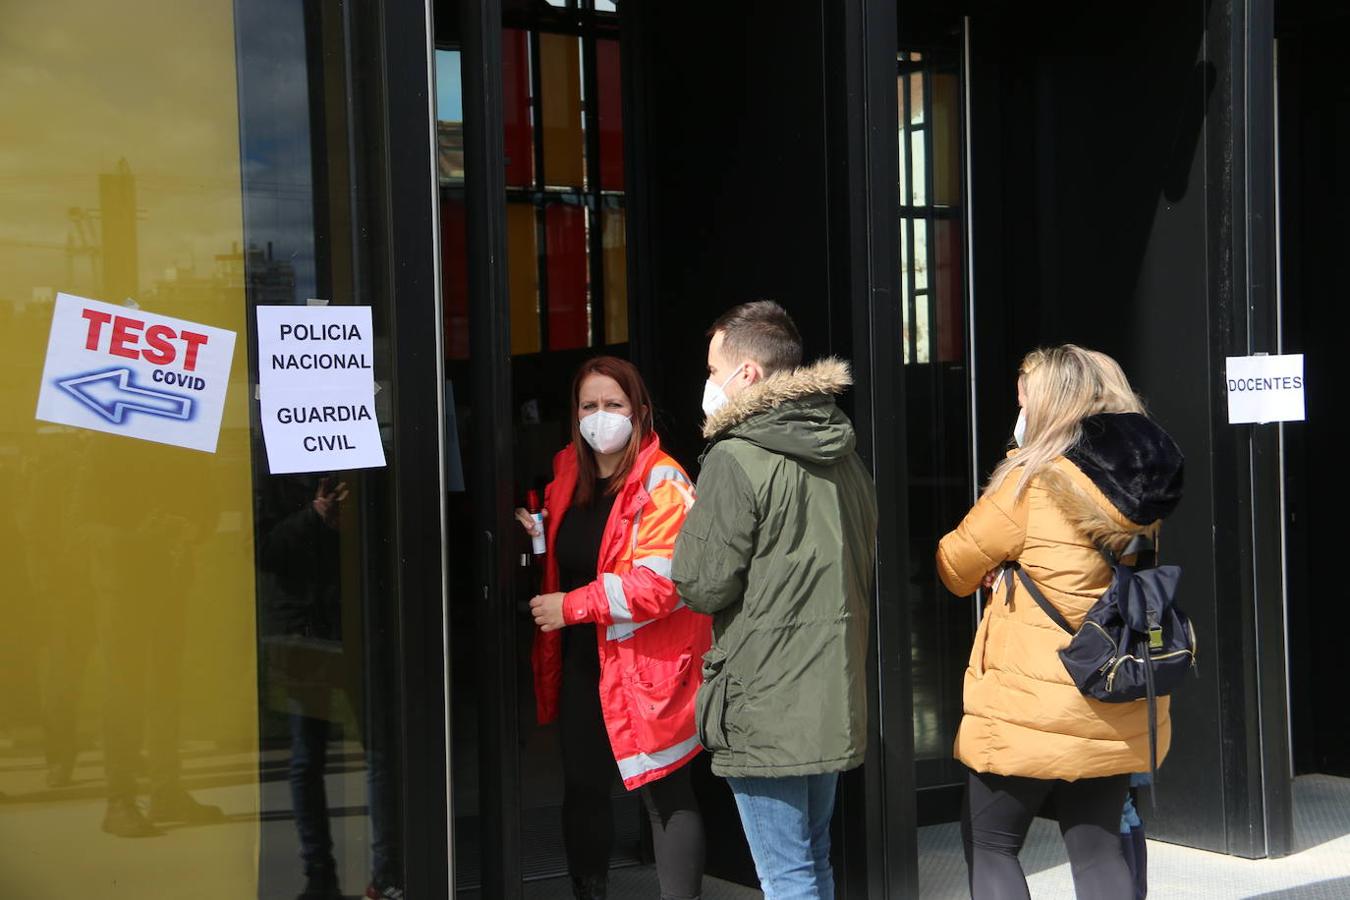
x=761 y=331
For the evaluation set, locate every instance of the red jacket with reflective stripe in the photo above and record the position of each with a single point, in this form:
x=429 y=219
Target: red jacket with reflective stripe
x=651 y=645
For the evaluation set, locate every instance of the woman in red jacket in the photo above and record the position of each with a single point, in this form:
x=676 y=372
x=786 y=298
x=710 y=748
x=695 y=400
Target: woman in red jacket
x=617 y=654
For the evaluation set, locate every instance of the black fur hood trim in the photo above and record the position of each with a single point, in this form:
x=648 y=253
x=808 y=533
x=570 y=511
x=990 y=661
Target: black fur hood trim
x=1131 y=460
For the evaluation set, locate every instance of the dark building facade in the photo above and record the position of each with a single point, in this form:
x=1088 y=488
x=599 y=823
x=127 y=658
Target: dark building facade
x=931 y=189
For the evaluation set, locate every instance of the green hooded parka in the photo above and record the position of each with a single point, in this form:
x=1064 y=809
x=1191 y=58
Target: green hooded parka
x=780 y=549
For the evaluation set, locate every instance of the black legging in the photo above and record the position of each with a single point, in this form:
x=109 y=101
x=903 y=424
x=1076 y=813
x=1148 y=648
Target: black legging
x=589 y=773
x=998 y=811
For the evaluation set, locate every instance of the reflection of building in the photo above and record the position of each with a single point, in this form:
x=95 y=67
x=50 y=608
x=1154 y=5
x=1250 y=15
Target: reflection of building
x=120 y=254
x=269 y=280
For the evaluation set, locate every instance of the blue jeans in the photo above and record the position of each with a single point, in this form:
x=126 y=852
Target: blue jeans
x=309 y=800
x=787 y=822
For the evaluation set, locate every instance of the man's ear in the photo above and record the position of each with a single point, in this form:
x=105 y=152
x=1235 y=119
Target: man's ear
x=756 y=371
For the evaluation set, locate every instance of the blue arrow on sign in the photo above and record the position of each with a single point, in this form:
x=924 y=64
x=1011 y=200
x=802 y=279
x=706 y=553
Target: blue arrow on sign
x=111 y=394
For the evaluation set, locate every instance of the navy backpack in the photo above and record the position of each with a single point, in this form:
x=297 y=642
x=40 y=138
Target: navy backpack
x=1135 y=642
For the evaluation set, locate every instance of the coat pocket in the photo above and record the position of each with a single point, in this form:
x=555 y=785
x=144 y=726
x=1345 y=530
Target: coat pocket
x=981 y=641
x=662 y=699
x=710 y=706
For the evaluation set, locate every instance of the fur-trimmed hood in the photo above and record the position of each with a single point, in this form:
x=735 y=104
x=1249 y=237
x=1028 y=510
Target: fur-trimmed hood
x=1093 y=517
x=792 y=413
x=1138 y=473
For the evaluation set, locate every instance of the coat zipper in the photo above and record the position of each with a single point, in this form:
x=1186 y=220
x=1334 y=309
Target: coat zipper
x=1110 y=679
x=1110 y=643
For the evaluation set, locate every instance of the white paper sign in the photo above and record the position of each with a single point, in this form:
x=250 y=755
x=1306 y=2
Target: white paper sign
x=1265 y=389
x=317 y=388
x=130 y=372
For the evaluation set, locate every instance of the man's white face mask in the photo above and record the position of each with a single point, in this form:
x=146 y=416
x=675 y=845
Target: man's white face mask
x=714 y=395
x=1020 y=429
x=606 y=432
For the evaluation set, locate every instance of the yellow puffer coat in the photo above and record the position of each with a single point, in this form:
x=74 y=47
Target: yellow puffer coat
x=1023 y=714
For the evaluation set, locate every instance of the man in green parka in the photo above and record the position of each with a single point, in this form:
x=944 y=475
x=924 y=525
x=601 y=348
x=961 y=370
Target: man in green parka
x=780 y=549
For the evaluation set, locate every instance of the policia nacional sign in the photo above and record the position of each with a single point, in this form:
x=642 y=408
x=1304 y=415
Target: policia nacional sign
x=316 y=387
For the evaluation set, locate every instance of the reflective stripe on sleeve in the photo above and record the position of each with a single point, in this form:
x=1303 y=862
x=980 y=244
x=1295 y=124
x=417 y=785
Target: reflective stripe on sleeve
x=659 y=474
x=618 y=601
x=622 y=631
x=633 y=766
x=658 y=564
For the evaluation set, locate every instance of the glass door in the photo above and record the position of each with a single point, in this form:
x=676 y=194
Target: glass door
x=209 y=660
x=936 y=356
x=552 y=294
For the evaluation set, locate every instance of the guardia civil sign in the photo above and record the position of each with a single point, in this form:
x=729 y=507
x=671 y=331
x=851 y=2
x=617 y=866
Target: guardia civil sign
x=316 y=388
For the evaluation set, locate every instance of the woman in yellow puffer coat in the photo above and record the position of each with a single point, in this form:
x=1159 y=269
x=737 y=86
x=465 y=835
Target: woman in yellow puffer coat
x=1092 y=470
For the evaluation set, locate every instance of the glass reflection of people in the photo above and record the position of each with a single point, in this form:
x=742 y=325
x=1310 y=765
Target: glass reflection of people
x=142 y=632
x=69 y=609
x=100 y=602
x=301 y=592
x=616 y=657
x=71 y=640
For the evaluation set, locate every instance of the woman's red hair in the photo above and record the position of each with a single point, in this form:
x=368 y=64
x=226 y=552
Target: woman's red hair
x=630 y=382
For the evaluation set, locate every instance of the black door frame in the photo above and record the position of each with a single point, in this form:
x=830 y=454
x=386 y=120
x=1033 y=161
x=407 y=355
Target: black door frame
x=408 y=228
x=876 y=821
x=1248 y=525
x=1232 y=549
x=877 y=818
x=490 y=358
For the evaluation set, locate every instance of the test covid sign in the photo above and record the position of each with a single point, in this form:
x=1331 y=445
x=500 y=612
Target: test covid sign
x=316 y=386
x=126 y=371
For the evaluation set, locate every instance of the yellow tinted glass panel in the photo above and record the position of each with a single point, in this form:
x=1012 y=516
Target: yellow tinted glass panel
x=616 y=276
x=522 y=258
x=128 y=660
x=560 y=80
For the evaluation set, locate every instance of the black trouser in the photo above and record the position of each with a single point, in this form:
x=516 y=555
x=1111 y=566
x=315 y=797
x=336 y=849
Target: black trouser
x=589 y=773
x=998 y=811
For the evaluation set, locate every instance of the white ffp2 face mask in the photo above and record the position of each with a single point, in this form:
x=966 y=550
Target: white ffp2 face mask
x=606 y=432
x=1020 y=429
x=715 y=396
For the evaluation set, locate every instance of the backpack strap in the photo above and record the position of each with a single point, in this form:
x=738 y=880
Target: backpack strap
x=1046 y=606
x=1152 y=695
x=1141 y=547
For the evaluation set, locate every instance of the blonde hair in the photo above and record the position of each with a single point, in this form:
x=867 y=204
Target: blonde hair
x=1062 y=386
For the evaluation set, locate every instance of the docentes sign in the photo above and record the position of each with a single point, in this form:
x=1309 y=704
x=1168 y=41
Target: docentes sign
x=1265 y=389
x=316 y=386
x=126 y=371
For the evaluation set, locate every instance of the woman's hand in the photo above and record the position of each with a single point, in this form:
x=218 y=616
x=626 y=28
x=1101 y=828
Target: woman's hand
x=527 y=521
x=547 y=610
x=990 y=577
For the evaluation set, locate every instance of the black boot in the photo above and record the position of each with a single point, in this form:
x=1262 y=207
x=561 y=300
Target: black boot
x=592 y=887
x=173 y=804
x=60 y=774
x=321 y=884
x=125 y=819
